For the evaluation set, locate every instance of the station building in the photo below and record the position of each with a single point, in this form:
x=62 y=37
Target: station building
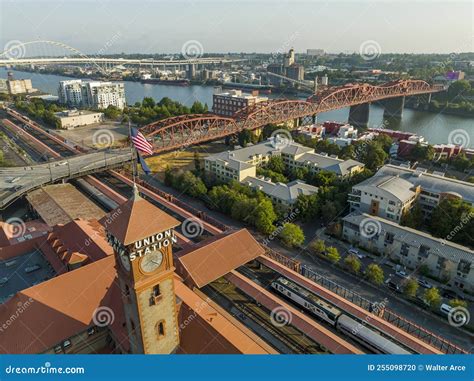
x=77 y=289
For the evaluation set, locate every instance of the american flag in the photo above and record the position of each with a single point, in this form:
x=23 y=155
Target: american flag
x=140 y=142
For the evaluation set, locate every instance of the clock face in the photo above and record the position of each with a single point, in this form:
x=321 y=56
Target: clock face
x=151 y=262
x=124 y=259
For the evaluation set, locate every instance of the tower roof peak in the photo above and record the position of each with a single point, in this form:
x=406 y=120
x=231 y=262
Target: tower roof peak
x=136 y=219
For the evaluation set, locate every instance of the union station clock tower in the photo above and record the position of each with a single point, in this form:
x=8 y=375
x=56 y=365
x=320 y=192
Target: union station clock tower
x=142 y=237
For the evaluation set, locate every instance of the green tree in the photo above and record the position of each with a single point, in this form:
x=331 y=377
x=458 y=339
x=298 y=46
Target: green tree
x=375 y=274
x=448 y=216
x=244 y=137
x=317 y=246
x=432 y=297
x=148 y=102
x=410 y=288
x=333 y=254
x=413 y=218
x=458 y=89
x=291 y=235
x=458 y=303
x=276 y=164
x=353 y=263
x=274 y=176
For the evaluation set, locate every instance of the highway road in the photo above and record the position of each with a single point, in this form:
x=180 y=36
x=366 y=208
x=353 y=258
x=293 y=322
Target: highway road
x=16 y=181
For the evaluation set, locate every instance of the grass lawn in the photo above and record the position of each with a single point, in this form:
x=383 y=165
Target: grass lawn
x=183 y=159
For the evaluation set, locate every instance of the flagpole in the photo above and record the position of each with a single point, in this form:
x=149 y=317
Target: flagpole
x=134 y=153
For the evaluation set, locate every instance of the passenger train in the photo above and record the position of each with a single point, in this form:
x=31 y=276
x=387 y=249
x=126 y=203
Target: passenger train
x=316 y=306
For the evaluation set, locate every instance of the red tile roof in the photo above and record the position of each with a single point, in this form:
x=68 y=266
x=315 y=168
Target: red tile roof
x=213 y=258
x=137 y=219
x=44 y=315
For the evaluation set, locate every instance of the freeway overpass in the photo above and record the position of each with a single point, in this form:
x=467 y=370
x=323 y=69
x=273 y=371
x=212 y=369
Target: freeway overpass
x=17 y=181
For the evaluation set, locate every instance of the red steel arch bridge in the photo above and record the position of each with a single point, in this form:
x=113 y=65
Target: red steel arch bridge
x=182 y=131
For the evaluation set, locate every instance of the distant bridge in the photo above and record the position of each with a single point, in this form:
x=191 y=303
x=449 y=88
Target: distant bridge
x=16 y=181
x=182 y=131
x=15 y=55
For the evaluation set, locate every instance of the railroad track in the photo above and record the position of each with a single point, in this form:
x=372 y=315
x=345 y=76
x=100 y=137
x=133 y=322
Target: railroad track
x=289 y=336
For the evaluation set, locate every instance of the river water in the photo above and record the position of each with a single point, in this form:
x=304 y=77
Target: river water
x=434 y=127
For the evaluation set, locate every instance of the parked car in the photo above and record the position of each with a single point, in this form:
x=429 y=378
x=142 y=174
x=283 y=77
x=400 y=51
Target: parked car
x=421 y=302
x=445 y=309
x=449 y=294
x=402 y=274
x=356 y=252
x=425 y=284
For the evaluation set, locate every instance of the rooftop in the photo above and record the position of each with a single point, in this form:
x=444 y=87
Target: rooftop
x=62 y=203
x=393 y=185
x=431 y=182
x=287 y=192
x=136 y=219
x=213 y=258
x=439 y=246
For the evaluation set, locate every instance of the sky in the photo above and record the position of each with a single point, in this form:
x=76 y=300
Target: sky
x=165 y=26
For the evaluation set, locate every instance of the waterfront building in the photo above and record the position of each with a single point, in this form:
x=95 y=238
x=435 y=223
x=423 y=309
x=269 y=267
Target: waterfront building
x=92 y=94
x=229 y=102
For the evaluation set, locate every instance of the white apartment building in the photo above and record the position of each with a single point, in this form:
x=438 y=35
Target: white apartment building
x=241 y=164
x=389 y=197
x=393 y=190
x=281 y=194
x=92 y=94
x=444 y=259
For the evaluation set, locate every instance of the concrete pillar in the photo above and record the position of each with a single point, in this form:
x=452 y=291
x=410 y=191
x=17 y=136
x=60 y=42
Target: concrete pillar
x=394 y=107
x=359 y=115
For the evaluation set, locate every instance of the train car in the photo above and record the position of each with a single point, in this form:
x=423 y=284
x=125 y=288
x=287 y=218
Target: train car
x=307 y=300
x=367 y=337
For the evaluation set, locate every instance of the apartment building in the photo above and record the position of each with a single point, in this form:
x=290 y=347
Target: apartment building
x=92 y=94
x=229 y=102
x=389 y=197
x=434 y=186
x=241 y=164
x=444 y=259
x=281 y=194
x=402 y=187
